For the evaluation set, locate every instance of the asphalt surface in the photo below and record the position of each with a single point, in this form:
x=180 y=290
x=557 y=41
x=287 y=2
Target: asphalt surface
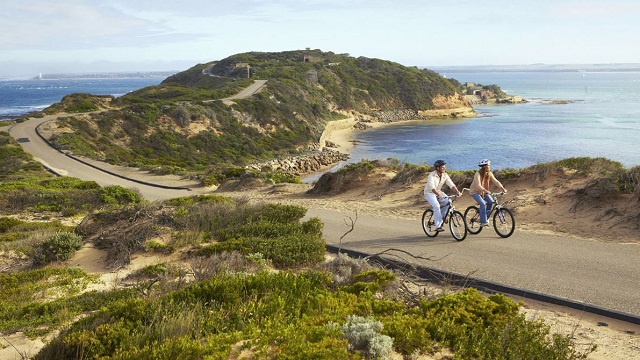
x=597 y=273
x=61 y=164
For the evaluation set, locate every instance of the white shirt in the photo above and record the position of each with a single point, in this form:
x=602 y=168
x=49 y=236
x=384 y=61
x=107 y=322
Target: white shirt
x=436 y=182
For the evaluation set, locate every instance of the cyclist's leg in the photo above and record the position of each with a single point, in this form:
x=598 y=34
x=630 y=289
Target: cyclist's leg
x=489 y=201
x=444 y=206
x=437 y=215
x=483 y=207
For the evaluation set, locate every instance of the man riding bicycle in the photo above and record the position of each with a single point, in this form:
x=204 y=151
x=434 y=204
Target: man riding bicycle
x=434 y=195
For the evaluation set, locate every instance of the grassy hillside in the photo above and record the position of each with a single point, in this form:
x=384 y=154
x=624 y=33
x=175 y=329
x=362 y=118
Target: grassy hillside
x=213 y=292
x=179 y=126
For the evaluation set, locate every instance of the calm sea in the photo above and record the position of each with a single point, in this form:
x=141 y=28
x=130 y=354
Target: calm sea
x=19 y=97
x=602 y=119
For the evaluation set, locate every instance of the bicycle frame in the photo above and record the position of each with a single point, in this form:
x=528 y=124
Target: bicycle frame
x=503 y=219
x=455 y=219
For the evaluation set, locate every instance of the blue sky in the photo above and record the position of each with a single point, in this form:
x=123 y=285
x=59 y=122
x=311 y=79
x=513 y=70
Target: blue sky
x=143 y=35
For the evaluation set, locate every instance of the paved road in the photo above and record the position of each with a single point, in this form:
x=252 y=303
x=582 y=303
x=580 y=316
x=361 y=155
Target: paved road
x=605 y=275
x=249 y=90
x=58 y=162
x=244 y=93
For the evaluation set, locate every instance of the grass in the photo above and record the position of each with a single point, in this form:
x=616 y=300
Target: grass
x=343 y=309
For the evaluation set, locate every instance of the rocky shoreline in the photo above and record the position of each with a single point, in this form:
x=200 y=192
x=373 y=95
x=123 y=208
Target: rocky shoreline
x=304 y=164
x=338 y=135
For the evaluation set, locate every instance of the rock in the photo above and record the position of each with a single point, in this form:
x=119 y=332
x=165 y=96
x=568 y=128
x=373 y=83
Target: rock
x=301 y=164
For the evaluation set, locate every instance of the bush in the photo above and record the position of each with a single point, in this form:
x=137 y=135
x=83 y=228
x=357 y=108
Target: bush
x=117 y=195
x=364 y=335
x=59 y=247
x=7 y=223
x=278 y=178
x=364 y=166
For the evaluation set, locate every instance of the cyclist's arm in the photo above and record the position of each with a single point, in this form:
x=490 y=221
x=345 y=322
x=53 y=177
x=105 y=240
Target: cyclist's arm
x=498 y=183
x=451 y=185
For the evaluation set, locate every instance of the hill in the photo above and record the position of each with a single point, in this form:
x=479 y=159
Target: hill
x=190 y=278
x=181 y=125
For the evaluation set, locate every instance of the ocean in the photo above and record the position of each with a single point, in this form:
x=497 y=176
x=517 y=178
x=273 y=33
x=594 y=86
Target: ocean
x=19 y=97
x=601 y=118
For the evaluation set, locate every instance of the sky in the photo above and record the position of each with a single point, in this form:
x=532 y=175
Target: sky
x=73 y=36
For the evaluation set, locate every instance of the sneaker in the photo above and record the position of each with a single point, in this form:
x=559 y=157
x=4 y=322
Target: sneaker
x=484 y=224
x=440 y=229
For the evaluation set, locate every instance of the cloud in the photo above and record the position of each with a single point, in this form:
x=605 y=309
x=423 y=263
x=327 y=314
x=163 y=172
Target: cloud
x=78 y=24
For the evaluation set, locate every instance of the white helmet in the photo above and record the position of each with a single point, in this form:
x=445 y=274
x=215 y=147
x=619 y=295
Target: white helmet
x=484 y=162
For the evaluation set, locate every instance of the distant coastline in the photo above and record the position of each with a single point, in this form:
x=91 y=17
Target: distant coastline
x=105 y=75
x=628 y=67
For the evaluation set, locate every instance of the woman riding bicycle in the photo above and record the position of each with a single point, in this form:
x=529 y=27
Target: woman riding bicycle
x=480 y=189
x=433 y=192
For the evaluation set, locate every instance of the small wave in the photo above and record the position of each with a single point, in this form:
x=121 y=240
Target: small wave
x=485 y=115
x=20 y=110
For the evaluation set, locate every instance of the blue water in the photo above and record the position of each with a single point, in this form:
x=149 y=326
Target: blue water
x=19 y=97
x=601 y=120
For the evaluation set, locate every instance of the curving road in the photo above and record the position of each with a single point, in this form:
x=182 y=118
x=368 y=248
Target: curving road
x=597 y=273
x=59 y=163
x=244 y=93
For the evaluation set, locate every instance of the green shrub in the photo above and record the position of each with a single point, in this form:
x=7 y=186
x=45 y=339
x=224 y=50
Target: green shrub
x=279 y=213
x=289 y=251
x=118 y=195
x=6 y=223
x=409 y=333
x=362 y=167
x=278 y=178
x=628 y=181
x=159 y=247
x=370 y=281
x=59 y=247
x=296 y=316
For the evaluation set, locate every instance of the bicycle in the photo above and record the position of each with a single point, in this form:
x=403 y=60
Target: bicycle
x=457 y=225
x=503 y=221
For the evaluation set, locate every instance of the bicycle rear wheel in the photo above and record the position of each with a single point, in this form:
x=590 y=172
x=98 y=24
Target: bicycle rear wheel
x=427 y=223
x=503 y=222
x=457 y=226
x=472 y=217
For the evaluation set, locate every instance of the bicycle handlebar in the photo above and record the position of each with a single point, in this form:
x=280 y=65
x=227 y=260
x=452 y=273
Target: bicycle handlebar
x=453 y=197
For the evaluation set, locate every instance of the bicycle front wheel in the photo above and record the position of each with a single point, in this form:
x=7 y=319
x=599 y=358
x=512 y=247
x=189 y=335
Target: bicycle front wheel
x=427 y=223
x=503 y=222
x=458 y=226
x=472 y=217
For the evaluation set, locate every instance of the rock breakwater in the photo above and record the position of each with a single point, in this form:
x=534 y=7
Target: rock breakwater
x=304 y=164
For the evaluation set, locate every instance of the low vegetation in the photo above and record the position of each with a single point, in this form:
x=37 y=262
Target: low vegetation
x=607 y=177
x=252 y=279
x=181 y=126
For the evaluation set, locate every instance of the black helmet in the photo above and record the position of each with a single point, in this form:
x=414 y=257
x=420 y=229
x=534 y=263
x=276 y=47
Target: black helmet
x=439 y=163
